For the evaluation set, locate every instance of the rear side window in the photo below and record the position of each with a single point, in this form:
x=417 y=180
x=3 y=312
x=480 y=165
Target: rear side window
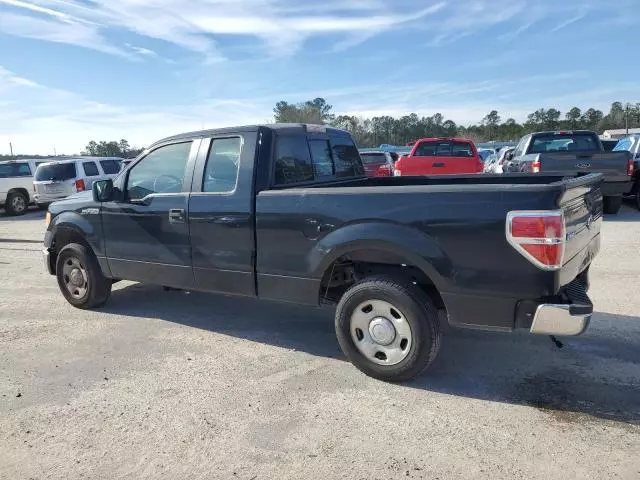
x=293 y=163
x=223 y=163
x=346 y=158
x=8 y=170
x=321 y=157
x=90 y=169
x=110 y=167
x=56 y=172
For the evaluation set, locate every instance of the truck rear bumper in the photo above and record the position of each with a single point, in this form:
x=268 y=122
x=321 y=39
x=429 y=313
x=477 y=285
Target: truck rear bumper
x=560 y=319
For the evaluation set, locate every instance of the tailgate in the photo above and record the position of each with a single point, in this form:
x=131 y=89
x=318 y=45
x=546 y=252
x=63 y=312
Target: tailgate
x=612 y=165
x=581 y=204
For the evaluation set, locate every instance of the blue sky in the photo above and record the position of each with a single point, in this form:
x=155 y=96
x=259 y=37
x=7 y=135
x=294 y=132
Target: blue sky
x=72 y=71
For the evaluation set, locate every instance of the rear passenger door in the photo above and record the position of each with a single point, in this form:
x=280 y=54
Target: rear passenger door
x=221 y=215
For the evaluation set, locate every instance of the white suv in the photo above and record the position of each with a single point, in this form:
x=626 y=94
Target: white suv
x=59 y=179
x=16 y=184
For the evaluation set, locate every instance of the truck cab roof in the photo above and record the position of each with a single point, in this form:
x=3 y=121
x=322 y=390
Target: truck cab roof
x=277 y=127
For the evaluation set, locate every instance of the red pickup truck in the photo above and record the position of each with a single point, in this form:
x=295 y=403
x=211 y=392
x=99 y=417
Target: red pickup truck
x=437 y=156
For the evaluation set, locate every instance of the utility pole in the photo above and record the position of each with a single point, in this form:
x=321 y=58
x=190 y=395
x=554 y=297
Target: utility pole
x=626 y=118
x=11 y=148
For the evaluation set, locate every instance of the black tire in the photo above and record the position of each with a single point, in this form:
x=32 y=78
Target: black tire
x=636 y=193
x=97 y=287
x=17 y=204
x=416 y=308
x=611 y=205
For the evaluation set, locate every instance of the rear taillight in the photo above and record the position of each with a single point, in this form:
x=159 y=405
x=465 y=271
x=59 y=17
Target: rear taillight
x=384 y=171
x=539 y=236
x=80 y=187
x=535 y=166
x=630 y=168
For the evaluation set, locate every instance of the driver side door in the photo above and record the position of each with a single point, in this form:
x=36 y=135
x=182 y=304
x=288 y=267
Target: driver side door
x=146 y=229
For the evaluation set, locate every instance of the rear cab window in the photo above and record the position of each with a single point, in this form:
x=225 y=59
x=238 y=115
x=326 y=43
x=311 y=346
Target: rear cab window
x=444 y=148
x=303 y=158
x=564 y=142
x=55 y=172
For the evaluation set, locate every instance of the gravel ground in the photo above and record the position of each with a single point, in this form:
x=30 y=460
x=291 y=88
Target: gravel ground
x=175 y=385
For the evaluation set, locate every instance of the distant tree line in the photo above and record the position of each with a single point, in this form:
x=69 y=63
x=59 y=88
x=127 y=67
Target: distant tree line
x=371 y=132
x=95 y=149
x=111 y=149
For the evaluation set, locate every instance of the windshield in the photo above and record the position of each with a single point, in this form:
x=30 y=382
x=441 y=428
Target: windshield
x=56 y=172
x=369 y=158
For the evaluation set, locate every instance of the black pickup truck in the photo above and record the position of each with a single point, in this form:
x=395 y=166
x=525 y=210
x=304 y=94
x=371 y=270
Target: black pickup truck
x=284 y=212
x=575 y=151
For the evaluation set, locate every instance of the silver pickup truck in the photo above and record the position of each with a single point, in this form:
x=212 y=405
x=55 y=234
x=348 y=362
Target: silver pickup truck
x=575 y=151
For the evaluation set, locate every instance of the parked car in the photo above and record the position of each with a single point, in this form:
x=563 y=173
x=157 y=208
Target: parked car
x=378 y=164
x=436 y=156
x=242 y=211
x=608 y=145
x=578 y=150
x=632 y=144
x=61 y=178
x=125 y=162
x=16 y=185
x=497 y=163
x=485 y=154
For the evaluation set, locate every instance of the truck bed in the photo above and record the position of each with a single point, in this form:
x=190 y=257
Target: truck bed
x=454 y=225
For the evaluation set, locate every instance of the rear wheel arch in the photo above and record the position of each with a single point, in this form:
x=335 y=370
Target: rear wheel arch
x=20 y=190
x=357 y=264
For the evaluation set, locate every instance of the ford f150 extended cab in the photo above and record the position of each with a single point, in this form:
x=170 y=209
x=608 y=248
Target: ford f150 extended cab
x=575 y=151
x=284 y=212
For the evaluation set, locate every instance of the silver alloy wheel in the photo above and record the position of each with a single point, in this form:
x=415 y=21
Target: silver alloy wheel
x=18 y=204
x=75 y=278
x=380 y=332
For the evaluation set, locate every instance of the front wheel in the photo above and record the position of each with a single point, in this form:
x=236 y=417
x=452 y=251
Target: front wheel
x=611 y=205
x=80 y=278
x=388 y=328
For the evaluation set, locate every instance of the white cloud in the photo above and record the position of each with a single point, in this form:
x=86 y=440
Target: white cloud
x=283 y=26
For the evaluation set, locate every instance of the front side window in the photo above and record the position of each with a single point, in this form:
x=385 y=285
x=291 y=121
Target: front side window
x=90 y=169
x=161 y=171
x=223 y=164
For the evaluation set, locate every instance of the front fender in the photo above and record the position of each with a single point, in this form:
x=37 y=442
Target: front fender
x=74 y=221
x=417 y=248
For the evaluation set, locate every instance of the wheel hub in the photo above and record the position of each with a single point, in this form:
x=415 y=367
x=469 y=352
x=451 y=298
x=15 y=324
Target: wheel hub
x=76 y=277
x=382 y=331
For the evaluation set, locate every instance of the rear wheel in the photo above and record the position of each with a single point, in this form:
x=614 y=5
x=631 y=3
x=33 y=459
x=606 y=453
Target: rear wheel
x=80 y=278
x=17 y=203
x=388 y=328
x=611 y=205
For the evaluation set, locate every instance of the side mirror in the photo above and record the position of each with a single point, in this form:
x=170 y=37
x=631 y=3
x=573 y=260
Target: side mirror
x=102 y=190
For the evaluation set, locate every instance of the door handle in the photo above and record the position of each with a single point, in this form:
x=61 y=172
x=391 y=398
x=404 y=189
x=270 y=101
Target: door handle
x=438 y=164
x=176 y=215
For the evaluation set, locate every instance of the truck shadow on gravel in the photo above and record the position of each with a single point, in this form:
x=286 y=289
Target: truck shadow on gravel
x=593 y=377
